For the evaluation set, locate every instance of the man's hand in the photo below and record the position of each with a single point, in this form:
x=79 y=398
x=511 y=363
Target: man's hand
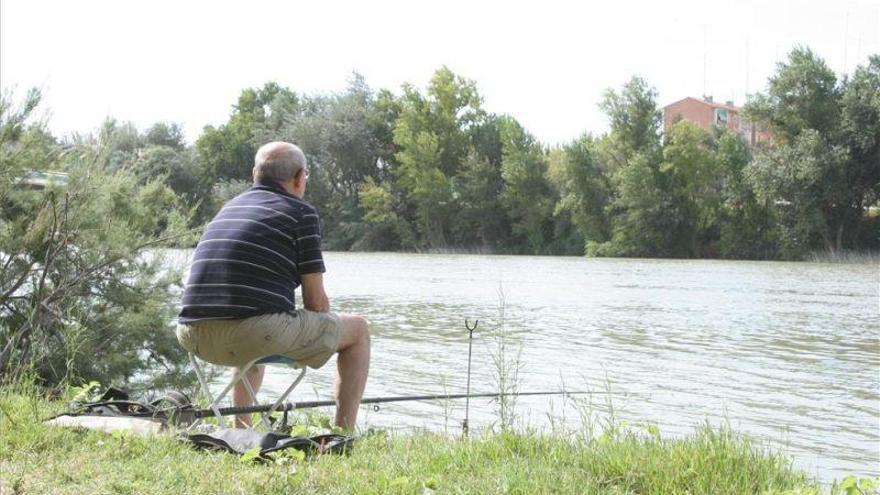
x=313 y=295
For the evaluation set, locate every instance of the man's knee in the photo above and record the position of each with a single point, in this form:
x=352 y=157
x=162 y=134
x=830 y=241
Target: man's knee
x=362 y=327
x=356 y=330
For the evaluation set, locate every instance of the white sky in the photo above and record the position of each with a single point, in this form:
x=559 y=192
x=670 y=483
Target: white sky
x=544 y=62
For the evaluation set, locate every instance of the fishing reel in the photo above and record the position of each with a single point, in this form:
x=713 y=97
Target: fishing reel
x=175 y=408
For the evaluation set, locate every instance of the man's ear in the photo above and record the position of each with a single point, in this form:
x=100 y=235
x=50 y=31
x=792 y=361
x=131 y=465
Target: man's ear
x=299 y=178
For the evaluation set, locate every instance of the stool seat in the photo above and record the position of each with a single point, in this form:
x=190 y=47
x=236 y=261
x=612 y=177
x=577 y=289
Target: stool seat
x=280 y=360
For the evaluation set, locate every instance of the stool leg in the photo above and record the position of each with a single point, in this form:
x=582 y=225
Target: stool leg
x=253 y=395
x=235 y=378
x=205 y=390
x=293 y=385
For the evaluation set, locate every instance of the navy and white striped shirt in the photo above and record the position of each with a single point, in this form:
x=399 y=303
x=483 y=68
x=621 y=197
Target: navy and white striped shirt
x=252 y=255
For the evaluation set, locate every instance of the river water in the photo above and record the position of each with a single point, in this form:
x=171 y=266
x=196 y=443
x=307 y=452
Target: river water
x=786 y=352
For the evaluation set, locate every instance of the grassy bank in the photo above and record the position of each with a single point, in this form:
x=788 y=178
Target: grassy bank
x=38 y=459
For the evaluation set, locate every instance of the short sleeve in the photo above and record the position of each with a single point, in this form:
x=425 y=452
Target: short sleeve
x=309 y=258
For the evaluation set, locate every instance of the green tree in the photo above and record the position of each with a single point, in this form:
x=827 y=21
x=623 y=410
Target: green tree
x=159 y=154
x=385 y=229
x=121 y=141
x=585 y=189
x=481 y=220
x=802 y=94
x=746 y=225
x=227 y=152
x=432 y=134
x=25 y=145
x=806 y=182
x=175 y=167
x=527 y=195
x=689 y=177
x=166 y=134
x=860 y=134
x=822 y=170
x=76 y=281
x=639 y=212
x=635 y=121
x=347 y=140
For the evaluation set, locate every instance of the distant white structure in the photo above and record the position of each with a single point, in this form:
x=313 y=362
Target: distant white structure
x=41 y=180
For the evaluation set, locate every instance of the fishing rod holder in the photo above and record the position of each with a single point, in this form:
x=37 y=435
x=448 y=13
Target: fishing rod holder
x=465 y=424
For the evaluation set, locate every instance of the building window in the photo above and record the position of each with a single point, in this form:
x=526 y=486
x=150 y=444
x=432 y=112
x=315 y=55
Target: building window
x=721 y=117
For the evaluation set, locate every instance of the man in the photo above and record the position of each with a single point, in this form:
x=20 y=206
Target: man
x=238 y=304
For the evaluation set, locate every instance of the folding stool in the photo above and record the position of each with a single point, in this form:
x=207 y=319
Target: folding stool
x=240 y=376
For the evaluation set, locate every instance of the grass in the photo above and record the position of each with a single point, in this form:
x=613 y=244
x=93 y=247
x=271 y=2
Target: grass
x=35 y=458
x=855 y=257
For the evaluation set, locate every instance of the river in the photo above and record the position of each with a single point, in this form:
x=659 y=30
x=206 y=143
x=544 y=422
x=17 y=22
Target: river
x=786 y=352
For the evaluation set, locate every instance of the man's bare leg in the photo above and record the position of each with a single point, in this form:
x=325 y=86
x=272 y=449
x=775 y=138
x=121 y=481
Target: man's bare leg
x=352 y=366
x=240 y=396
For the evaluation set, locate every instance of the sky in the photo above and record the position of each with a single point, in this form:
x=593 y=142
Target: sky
x=546 y=63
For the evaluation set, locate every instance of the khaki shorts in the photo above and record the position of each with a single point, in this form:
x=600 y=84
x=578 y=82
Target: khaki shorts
x=305 y=336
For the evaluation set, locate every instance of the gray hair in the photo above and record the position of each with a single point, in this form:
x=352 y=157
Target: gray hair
x=278 y=161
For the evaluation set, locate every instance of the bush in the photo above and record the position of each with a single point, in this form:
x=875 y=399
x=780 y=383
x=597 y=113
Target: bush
x=83 y=295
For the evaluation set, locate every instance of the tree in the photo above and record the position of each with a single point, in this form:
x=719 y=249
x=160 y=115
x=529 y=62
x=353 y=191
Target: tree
x=175 y=167
x=746 y=225
x=25 y=145
x=635 y=121
x=806 y=182
x=585 y=189
x=385 y=229
x=159 y=154
x=166 y=134
x=802 y=94
x=860 y=134
x=527 y=195
x=822 y=171
x=482 y=221
x=75 y=280
x=639 y=211
x=433 y=137
x=689 y=178
x=227 y=152
x=481 y=218
x=122 y=143
x=346 y=139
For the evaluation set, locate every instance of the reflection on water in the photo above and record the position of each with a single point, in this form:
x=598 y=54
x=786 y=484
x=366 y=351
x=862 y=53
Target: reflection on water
x=787 y=352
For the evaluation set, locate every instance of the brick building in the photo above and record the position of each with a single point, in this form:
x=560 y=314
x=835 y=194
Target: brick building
x=708 y=114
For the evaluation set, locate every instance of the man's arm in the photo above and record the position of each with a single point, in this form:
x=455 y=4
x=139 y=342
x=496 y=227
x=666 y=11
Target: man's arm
x=313 y=295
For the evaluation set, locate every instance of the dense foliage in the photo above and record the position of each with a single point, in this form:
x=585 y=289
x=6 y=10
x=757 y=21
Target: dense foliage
x=433 y=170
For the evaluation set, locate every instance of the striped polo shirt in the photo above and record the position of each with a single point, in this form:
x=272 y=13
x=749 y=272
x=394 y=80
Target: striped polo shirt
x=252 y=255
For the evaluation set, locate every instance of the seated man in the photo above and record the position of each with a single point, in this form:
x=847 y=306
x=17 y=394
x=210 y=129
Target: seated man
x=238 y=304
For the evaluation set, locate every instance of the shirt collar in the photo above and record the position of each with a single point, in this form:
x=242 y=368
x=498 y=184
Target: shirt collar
x=273 y=185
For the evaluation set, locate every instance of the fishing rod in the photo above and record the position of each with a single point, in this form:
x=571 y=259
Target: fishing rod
x=289 y=406
x=183 y=412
